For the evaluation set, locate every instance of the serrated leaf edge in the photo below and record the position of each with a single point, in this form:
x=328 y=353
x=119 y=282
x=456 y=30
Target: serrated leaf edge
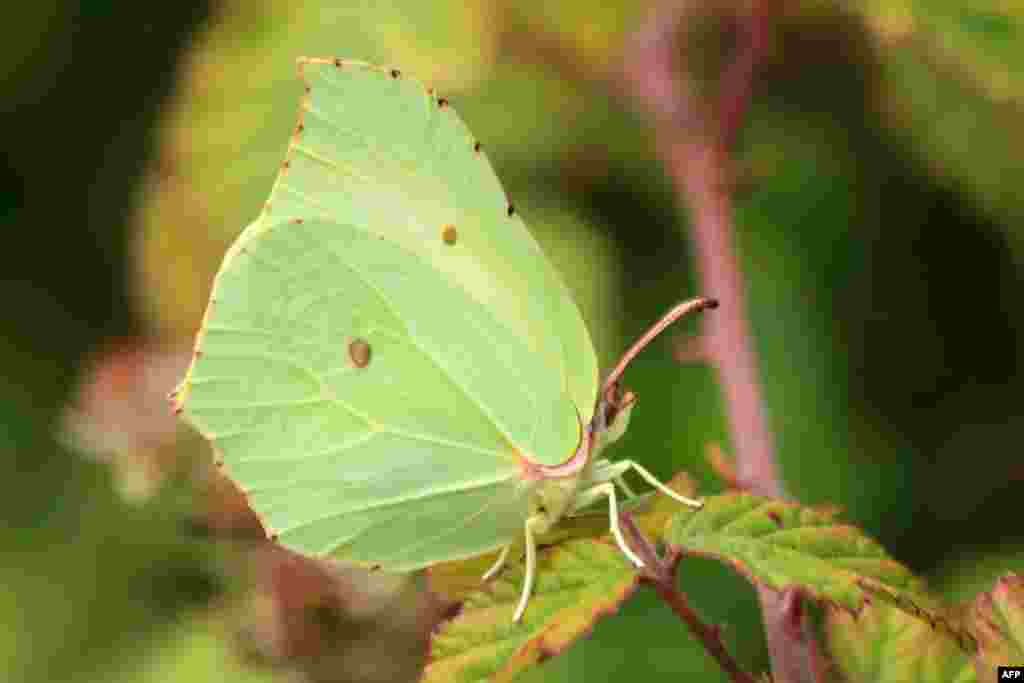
x=964 y=639
x=521 y=658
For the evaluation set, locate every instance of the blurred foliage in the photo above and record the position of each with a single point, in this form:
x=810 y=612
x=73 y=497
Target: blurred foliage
x=963 y=575
x=967 y=75
x=880 y=236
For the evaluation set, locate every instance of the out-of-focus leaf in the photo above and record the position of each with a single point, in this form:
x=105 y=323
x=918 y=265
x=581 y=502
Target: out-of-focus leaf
x=963 y=576
x=449 y=44
x=333 y=622
x=997 y=621
x=595 y=32
x=200 y=649
x=90 y=582
x=120 y=412
x=983 y=38
x=780 y=544
x=882 y=644
x=578 y=581
x=588 y=261
x=953 y=84
x=223 y=142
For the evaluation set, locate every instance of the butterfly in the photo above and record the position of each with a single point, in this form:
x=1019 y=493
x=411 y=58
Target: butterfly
x=389 y=366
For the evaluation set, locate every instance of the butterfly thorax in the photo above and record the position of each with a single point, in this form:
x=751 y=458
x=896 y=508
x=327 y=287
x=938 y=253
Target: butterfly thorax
x=551 y=499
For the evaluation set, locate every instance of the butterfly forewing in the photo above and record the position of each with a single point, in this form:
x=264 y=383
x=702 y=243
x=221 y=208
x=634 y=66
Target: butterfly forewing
x=389 y=157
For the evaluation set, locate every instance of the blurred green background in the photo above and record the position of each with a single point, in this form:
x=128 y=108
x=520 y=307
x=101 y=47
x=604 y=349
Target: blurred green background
x=880 y=233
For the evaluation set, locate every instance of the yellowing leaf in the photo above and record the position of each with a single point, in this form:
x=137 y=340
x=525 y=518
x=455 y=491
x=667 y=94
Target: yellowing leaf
x=577 y=582
x=997 y=620
x=952 y=86
x=882 y=644
x=980 y=38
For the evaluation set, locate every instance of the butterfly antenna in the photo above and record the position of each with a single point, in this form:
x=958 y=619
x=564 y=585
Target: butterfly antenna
x=678 y=311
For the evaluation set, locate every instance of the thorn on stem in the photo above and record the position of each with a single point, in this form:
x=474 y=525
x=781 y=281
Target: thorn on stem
x=722 y=465
x=687 y=349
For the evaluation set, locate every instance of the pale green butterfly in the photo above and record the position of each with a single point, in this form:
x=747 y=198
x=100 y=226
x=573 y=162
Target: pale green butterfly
x=389 y=366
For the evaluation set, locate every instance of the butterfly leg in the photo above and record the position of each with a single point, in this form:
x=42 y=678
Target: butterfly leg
x=496 y=567
x=531 y=565
x=625 y=487
x=603 y=470
x=653 y=481
x=588 y=496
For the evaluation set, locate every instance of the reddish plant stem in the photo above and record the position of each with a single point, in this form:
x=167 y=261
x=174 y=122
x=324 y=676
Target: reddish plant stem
x=660 y=574
x=694 y=141
x=695 y=149
x=738 y=79
x=697 y=170
x=709 y=635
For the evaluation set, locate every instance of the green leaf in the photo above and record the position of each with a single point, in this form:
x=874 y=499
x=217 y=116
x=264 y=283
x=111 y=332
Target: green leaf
x=193 y=650
x=951 y=79
x=997 y=620
x=577 y=582
x=981 y=38
x=882 y=644
x=780 y=544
